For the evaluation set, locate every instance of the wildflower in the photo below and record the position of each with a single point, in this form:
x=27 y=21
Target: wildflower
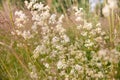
x=26 y=3
x=99 y=39
x=34 y=27
x=88 y=43
x=21 y=18
x=102 y=52
x=78 y=67
x=90 y=72
x=38 y=6
x=98 y=24
x=84 y=33
x=29 y=6
x=38 y=50
x=75 y=8
x=100 y=75
x=55 y=39
x=60 y=29
x=99 y=65
x=26 y=35
x=93 y=32
x=72 y=71
x=18 y=32
x=60 y=64
x=66 y=38
x=87 y=26
x=79 y=27
x=98 y=30
x=106 y=10
x=79 y=14
x=66 y=77
x=79 y=19
x=113 y=4
x=12 y=32
x=60 y=19
x=69 y=61
x=62 y=73
x=52 y=19
x=33 y=75
x=46 y=65
x=20 y=45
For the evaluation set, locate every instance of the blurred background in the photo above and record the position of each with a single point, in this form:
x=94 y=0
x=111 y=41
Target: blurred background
x=64 y=6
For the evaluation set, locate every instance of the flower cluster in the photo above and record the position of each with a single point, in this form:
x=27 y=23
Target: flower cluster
x=58 y=57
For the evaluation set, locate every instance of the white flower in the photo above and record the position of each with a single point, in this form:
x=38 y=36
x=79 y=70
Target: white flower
x=20 y=14
x=93 y=32
x=79 y=13
x=88 y=43
x=38 y=6
x=52 y=19
x=33 y=75
x=55 y=39
x=40 y=49
x=59 y=47
x=26 y=3
x=45 y=30
x=98 y=24
x=20 y=19
x=36 y=52
x=106 y=10
x=90 y=72
x=29 y=5
x=112 y=4
x=79 y=19
x=84 y=33
x=75 y=8
x=34 y=27
x=26 y=35
x=60 y=20
x=18 y=32
x=62 y=73
x=66 y=77
x=72 y=71
x=102 y=52
x=35 y=55
x=98 y=30
x=60 y=64
x=60 y=29
x=45 y=15
x=66 y=38
x=46 y=65
x=20 y=45
x=78 y=67
x=79 y=27
x=13 y=33
x=98 y=39
x=99 y=65
x=100 y=74
x=87 y=26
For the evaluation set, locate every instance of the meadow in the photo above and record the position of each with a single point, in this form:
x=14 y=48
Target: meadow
x=59 y=40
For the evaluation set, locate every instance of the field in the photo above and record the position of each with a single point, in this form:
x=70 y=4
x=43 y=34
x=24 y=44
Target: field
x=59 y=40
